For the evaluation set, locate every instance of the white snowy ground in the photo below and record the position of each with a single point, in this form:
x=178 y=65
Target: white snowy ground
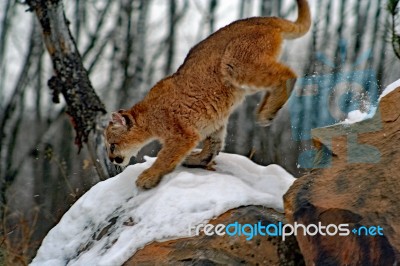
x=185 y=197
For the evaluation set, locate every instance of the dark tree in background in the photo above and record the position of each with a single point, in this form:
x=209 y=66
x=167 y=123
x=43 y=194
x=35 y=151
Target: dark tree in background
x=393 y=8
x=106 y=54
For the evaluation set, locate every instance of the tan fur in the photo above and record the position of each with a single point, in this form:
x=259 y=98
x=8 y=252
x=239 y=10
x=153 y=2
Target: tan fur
x=194 y=103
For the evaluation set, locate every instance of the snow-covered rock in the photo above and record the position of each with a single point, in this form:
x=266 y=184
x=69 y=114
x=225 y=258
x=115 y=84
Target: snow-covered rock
x=114 y=219
x=390 y=88
x=357 y=115
x=359 y=188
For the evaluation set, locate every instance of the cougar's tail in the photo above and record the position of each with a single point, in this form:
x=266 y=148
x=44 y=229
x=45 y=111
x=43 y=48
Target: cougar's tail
x=293 y=30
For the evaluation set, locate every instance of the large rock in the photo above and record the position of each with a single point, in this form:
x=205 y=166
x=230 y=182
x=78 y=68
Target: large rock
x=225 y=250
x=361 y=187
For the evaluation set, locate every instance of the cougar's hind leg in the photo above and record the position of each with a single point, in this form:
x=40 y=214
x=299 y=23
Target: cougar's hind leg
x=212 y=145
x=259 y=71
x=273 y=101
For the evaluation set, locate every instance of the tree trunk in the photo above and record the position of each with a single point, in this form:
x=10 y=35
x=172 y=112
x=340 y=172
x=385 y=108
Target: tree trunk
x=70 y=77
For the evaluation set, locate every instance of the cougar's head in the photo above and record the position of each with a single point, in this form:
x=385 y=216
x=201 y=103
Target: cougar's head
x=123 y=137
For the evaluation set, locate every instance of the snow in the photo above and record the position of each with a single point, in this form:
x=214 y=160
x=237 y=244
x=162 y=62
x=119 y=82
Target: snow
x=356 y=116
x=390 y=88
x=184 y=198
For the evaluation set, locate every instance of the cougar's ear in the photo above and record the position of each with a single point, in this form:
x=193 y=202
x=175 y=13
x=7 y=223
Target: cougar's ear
x=118 y=119
x=122 y=118
x=128 y=118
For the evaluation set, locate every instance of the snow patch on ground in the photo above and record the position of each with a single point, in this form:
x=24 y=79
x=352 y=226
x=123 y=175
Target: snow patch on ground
x=135 y=218
x=357 y=116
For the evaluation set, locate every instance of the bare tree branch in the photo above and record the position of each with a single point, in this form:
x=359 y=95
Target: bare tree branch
x=96 y=34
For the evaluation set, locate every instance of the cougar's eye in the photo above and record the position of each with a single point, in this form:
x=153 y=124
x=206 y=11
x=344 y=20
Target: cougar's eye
x=112 y=147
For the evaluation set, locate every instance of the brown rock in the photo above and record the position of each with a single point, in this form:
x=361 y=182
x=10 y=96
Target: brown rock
x=225 y=250
x=361 y=188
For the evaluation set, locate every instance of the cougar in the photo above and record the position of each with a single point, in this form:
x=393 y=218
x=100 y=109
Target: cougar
x=193 y=104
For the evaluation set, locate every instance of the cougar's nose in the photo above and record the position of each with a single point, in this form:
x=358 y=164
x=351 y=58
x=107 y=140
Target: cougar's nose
x=119 y=160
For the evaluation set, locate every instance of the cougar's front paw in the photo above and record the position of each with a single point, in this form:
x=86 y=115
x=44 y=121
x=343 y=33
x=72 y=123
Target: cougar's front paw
x=148 y=179
x=193 y=160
